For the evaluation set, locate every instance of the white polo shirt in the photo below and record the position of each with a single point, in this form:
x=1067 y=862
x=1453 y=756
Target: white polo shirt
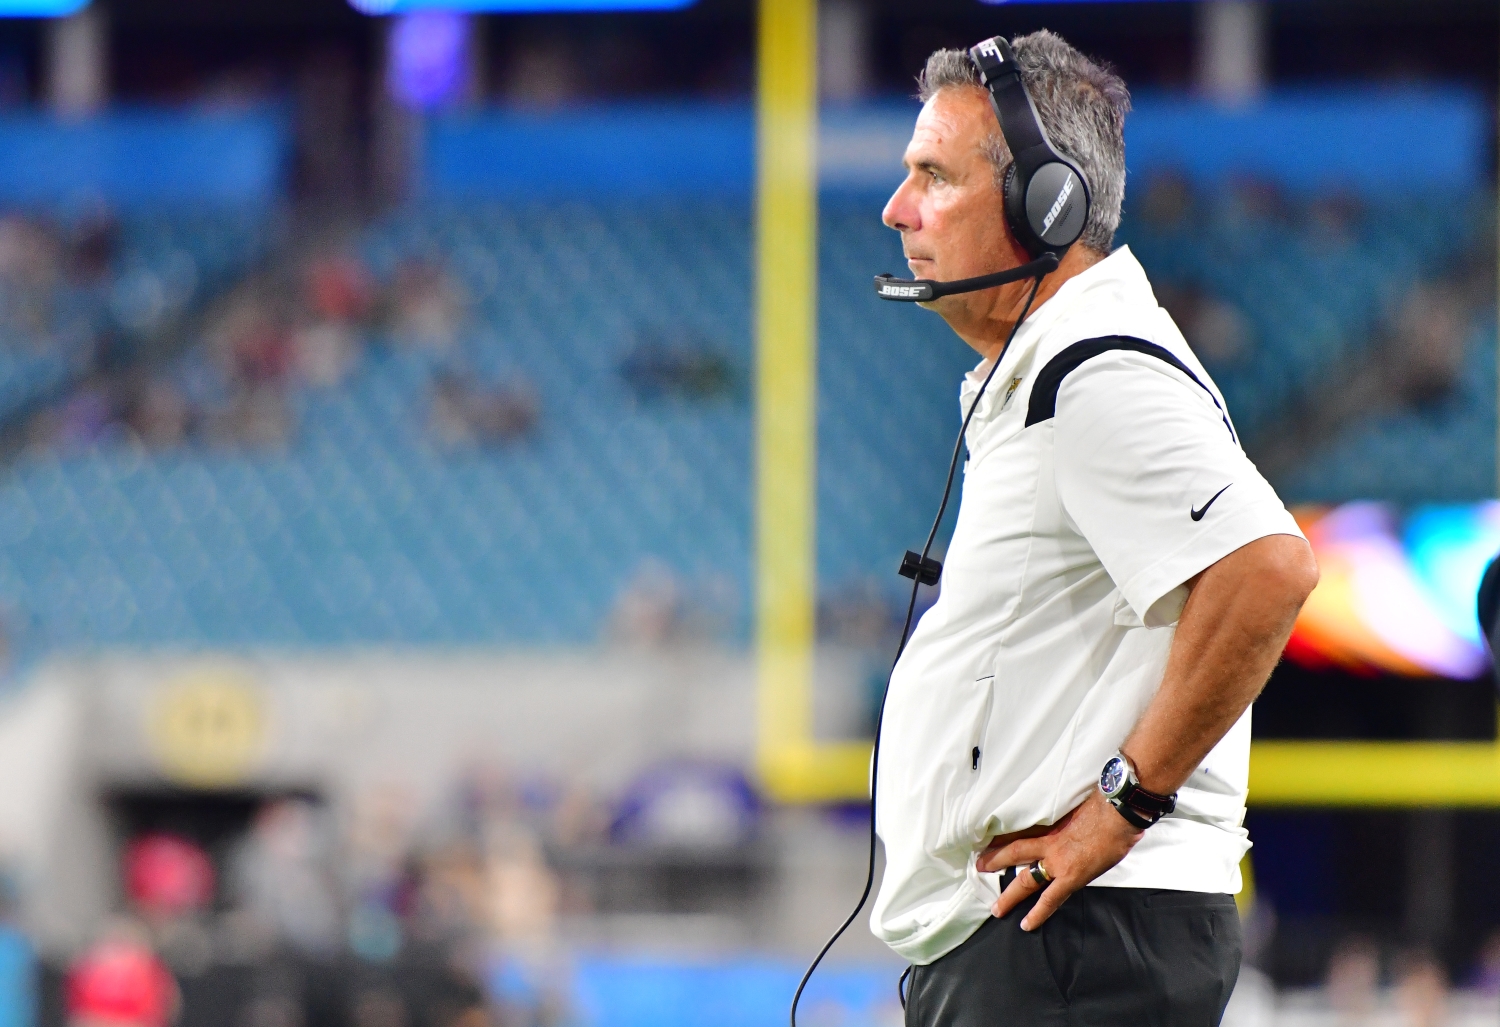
x=1060 y=594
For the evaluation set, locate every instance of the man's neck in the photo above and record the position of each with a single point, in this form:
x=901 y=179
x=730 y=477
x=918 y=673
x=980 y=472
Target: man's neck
x=985 y=321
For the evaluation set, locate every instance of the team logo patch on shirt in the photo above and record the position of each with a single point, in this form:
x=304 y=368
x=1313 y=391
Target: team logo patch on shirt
x=1010 y=394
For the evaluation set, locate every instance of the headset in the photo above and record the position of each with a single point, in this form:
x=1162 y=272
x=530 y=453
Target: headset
x=1046 y=206
x=1046 y=197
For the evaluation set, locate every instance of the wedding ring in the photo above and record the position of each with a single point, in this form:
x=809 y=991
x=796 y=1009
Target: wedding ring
x=1039 y=874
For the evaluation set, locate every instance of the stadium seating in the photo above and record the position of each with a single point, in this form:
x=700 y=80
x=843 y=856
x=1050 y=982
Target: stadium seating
x=1443 y=454
x=163 y=262
x=1313 y=299
x=365 y=530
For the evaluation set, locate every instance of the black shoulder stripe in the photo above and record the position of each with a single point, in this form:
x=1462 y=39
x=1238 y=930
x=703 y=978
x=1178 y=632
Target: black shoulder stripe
x=1043 y=404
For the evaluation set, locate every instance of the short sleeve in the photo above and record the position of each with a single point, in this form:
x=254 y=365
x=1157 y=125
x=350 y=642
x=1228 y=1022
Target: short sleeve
x=1149 y=473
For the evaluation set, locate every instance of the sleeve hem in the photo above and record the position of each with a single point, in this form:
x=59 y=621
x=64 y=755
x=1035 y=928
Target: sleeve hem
x=1199 y=553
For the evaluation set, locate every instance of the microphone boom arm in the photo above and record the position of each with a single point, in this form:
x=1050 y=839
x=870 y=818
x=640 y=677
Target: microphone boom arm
x=918 y=290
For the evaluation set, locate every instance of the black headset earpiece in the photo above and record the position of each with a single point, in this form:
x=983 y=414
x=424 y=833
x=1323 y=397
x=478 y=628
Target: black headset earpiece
x=1046 y=196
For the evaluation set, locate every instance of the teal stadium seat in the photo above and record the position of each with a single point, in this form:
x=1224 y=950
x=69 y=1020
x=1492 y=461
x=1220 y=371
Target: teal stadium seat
x=364 y=531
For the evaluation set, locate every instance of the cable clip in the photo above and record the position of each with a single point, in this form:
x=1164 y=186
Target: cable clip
x=923 y=569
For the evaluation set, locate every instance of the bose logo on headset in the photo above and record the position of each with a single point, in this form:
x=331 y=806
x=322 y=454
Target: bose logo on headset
x=1057 y=206
x=902 y=290
x=989 y=47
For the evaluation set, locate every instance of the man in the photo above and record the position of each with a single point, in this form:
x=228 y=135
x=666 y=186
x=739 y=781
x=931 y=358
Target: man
x=1121 y=580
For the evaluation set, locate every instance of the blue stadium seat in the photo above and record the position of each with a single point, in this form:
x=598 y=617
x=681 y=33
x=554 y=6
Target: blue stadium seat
x=367 y=531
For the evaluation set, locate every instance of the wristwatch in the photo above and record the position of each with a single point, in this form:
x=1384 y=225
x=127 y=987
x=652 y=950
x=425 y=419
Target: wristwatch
x=1122 y=789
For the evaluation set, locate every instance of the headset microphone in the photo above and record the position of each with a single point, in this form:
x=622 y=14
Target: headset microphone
x=919 y=290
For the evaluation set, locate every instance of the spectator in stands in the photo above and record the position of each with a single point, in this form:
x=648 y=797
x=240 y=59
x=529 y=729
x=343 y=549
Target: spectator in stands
x=249 y=342
x=281 y=876
x=262 y=351
x=256 y=417
x=682 y=368
x=712 y=610
x=577 y=819
x=657 y=607
x=120 y=982
x=1216 y=329
x=517 y=896
x=463 y=414
x=92 y=243
x=425 y=306
x=325 y=351
x=1354 y=980
x=338 y=288
x=248 y=336
x=1256 y=201
x=171 y=882
x=86 y=418
x=1166 y=202
x=1429 y=330
x=1422 y=990
x=29 y=252
x=648 y=610
x=31 y=258
x=338 y=297
x=1486 y=975
x=167 y=876
x=159 y=416
x=420 y=914
x=1334 y=218
x=522 y=890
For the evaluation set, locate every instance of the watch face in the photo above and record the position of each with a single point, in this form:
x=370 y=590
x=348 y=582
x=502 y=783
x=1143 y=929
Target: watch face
x=1112 y=779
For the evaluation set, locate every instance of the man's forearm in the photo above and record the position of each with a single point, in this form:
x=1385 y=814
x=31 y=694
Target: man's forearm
x=1232 y=631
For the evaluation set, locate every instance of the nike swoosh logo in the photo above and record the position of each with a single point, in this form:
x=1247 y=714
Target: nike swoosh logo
x=1197 y=515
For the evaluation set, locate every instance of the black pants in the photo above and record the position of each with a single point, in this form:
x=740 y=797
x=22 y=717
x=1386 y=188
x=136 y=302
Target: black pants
x=1110 y=957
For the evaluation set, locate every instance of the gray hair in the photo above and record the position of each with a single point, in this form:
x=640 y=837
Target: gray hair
x=1082 y=105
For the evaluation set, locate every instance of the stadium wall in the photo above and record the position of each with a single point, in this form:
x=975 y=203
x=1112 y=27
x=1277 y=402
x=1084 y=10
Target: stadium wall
x=1369 y=142
x=341 y=727
x=145 y=156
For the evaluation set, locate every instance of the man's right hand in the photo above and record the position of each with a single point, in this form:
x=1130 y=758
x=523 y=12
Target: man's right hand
x=1090 y=840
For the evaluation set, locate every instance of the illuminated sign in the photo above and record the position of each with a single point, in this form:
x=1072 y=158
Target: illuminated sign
x=514 y=6
x=1397 y=593
x=428 y=54
x=40 y=8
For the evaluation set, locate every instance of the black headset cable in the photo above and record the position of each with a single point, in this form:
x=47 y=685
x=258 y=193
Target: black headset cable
x=911 y=607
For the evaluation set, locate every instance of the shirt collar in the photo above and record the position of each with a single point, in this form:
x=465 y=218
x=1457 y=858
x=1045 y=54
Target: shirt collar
x=1118 y=271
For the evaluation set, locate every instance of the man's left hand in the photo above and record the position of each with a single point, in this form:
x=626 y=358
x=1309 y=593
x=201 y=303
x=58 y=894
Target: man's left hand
x=1075 y=850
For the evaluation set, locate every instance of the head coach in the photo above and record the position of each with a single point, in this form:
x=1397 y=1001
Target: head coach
x=1065 y=747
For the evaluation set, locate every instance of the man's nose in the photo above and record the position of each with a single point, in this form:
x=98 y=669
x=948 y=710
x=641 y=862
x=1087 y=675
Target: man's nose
x=900 y=211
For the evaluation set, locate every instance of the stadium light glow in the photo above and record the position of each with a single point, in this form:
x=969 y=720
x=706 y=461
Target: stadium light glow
x=379 y=7
x=40 y=8
x=428 y=52
x=1397 y=598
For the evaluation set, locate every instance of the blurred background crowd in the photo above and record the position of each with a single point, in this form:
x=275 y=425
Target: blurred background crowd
x=376 y=553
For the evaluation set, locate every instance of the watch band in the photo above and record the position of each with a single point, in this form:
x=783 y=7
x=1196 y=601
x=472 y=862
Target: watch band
x=1135 y=820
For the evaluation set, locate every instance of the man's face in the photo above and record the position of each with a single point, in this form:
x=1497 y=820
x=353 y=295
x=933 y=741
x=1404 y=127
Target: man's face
x=949 y=208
